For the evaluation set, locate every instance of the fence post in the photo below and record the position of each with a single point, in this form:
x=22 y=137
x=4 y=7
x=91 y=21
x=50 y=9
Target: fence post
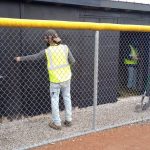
x=95 y=77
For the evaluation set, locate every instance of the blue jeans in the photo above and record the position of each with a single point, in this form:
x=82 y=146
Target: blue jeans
x=132 y=77
x=55 y=89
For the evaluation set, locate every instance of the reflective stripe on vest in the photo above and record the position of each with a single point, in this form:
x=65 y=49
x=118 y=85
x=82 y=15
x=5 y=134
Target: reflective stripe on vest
x=133 y=53
x=57 y=63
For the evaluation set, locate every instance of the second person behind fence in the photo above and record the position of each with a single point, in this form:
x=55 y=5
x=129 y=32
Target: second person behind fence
x=59 y=58
x=131 y=61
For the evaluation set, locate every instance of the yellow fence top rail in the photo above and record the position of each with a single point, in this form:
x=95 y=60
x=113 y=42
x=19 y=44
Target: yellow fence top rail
x=31 y=23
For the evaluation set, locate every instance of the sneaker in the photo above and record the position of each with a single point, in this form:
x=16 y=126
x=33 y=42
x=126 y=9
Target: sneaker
x=54 y=126
x=67 y=123
x=145 y=106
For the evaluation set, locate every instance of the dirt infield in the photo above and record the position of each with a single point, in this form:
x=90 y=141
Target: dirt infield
x=131 y=137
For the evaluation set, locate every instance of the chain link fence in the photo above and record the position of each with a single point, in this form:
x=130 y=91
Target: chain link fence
x=99 y=92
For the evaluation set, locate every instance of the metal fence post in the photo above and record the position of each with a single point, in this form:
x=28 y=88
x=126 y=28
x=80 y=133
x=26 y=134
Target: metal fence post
x=95 y=77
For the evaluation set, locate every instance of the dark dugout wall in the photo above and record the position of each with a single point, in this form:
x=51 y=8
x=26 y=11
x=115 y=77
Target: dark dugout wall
x=33 y=102
x=10 y=98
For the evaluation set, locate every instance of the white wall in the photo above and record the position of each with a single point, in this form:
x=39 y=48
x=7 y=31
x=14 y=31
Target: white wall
x=135 y=1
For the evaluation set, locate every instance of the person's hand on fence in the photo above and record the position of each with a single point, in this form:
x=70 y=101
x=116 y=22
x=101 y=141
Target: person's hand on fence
x=18 y=59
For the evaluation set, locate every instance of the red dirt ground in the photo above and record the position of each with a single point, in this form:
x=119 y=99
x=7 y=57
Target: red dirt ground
x=132 y=137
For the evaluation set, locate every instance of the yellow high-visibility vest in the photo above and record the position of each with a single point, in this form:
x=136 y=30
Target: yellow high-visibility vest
x=57 y=63
x=132 y=53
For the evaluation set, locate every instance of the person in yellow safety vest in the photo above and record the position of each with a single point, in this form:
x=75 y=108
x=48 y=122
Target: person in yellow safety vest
x=59 y=58
x=131 y=61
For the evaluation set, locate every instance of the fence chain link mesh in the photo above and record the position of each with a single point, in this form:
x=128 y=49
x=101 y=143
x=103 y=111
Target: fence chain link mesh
x=121 y=86
x=25 y=90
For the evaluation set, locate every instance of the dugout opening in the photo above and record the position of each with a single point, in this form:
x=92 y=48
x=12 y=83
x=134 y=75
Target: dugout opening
x=140 y=41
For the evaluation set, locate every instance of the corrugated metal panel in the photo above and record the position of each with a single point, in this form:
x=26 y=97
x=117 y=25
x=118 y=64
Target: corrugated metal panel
x=101 y=4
